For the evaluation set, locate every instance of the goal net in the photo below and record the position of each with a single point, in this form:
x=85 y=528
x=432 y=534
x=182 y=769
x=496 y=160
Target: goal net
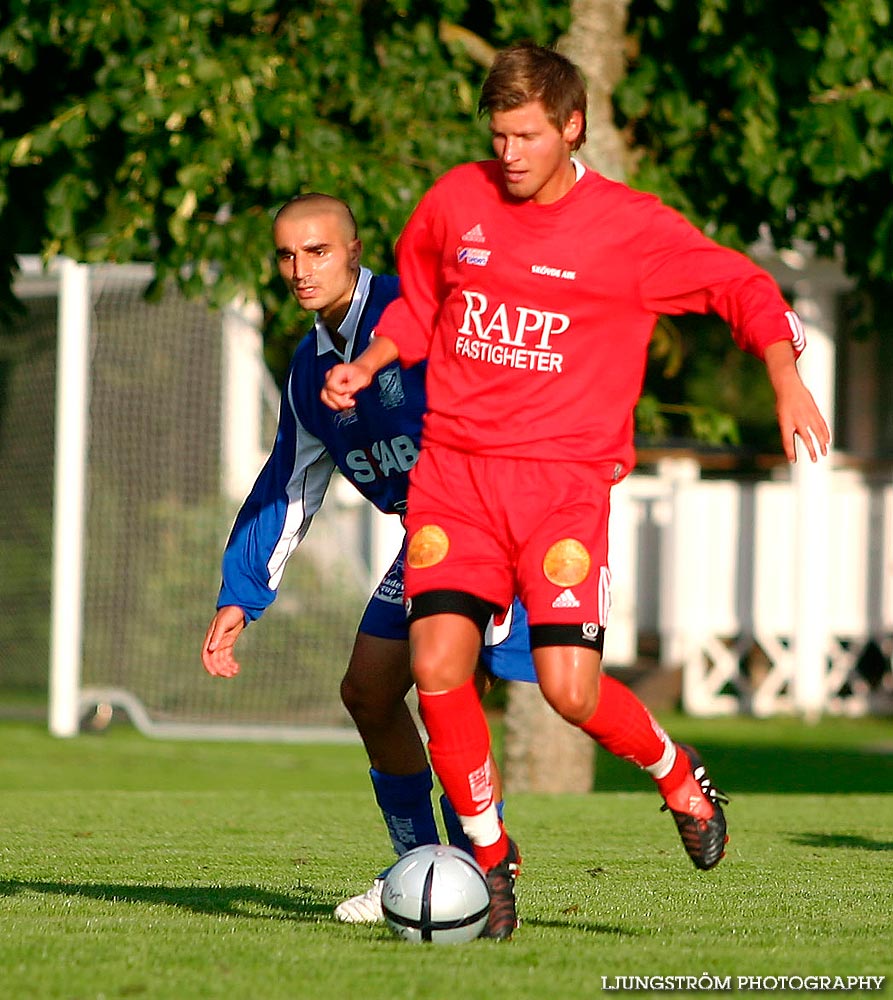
x=177 y=415
x=27 y=378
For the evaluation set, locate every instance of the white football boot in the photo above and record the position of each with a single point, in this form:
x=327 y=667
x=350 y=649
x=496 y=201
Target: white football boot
x=364 y=908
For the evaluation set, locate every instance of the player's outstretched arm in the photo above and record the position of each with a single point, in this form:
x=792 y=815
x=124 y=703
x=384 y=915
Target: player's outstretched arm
x=798 y=414
x=343 y=382
x=217 y=649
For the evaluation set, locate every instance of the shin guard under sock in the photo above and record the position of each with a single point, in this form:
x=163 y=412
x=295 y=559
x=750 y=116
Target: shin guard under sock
x=459 y=745
x=624 y=727
x=405 y=803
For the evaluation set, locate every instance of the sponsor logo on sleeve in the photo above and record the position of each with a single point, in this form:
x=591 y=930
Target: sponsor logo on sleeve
x=344 y=418
x=390 y=388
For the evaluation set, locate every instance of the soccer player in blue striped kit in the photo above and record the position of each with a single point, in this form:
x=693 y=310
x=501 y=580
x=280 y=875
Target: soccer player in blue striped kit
x=374 y=445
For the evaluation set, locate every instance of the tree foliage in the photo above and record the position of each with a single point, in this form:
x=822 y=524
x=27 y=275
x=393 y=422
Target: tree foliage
x=144 y=130
x=746 y=112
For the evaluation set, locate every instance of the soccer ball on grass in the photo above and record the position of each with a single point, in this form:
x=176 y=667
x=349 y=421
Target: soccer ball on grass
x=436 y=893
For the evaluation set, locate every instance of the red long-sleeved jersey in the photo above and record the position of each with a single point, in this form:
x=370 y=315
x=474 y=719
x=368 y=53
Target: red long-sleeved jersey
x=536 y=318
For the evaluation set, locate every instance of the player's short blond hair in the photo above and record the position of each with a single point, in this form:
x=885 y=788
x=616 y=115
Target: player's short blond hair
x=524 y=73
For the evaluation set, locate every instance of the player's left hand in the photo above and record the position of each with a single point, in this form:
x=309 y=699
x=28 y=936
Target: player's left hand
x=799 y=417
x=798 y=413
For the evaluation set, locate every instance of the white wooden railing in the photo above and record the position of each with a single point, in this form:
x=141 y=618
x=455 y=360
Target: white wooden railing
x=728 y=581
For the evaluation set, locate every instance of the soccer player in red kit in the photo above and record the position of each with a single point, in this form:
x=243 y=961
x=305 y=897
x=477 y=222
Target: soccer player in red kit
x=532 y=285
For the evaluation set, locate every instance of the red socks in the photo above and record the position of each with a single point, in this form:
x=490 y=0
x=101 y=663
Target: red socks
x=625 y=728
x=459 y=745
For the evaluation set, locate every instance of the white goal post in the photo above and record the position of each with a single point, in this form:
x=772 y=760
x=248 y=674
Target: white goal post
x=72 y=400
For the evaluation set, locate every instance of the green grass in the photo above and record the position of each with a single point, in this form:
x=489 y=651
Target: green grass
x=135 y=868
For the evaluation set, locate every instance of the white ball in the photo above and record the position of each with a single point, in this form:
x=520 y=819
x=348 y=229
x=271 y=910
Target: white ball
x=436 y=893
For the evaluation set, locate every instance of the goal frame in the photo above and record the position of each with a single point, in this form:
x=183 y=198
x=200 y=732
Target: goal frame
x=246 y=388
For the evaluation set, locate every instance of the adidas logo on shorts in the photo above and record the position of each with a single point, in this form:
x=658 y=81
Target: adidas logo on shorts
x=566 y=599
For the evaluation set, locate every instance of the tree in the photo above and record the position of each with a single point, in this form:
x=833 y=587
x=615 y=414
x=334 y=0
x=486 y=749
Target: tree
x=543 y=753
x=745 y=114
x=141 y=130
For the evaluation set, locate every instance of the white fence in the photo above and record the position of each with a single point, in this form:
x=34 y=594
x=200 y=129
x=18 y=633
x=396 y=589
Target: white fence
x=714 y=567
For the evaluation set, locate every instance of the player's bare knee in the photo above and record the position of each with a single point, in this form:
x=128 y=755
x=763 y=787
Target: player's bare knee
x=439 y=673
x=574 y=705
x=363 y=702
x=445 y=634
x=352 y=696
x=568 y=660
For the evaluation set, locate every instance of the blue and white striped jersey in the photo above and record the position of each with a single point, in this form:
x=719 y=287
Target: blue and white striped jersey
x=374 y=446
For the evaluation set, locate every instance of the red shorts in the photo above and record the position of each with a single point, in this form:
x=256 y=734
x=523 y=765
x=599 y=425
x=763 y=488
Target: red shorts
x=496 y=527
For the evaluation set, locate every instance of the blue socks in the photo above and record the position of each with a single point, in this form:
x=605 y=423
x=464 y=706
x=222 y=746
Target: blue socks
x=405 y=803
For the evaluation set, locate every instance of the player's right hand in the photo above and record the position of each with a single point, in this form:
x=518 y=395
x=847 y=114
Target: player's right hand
x=217 y=649
x=342 y=384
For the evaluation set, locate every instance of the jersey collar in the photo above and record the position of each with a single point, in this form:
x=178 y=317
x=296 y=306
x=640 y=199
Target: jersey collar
x=350 y=325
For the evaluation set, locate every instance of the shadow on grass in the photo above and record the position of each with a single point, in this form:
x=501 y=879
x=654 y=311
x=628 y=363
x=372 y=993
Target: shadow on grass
x=852 y=842
x=250 y=902
x=579 y=925
x=247 y=902
x=769 y=769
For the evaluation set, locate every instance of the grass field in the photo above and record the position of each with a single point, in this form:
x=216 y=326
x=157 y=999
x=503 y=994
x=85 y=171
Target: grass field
x=134 y=868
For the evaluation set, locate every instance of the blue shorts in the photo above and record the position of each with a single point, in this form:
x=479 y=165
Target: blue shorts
x=506 y=651
x=385 y=615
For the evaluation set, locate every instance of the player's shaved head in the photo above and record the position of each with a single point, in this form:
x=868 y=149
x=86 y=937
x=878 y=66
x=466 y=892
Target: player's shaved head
x=314 y=203
x=318 y=254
